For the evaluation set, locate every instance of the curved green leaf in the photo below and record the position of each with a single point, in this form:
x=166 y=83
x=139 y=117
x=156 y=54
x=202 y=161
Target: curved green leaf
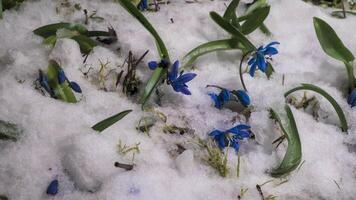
x=217 y=45
x=61 y=91
x=51 y=29
x=293 y=156
x=322 y=92
x=85 y=43
x=223 y=23
x=230 y=13
x=162 y=50
x=255 y=20
x=330 y=42
x=106 y=123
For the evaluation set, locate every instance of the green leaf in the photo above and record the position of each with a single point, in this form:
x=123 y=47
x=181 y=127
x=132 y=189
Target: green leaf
x=85 y=43
x=255 y=20
x=293 y=156
x=230 y=13
x=106 y=123
x=51 y=40
x=223 y=23
x=0 y=9
x=269 y=70
x=322 y=92
x=218 y=45
x=51 y=29
x=162 y=50
x=330 y=42
x=61 y=91
x=9 y=131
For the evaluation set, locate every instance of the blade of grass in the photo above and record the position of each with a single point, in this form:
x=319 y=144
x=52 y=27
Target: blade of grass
x=230 y=13
x=332 y=101
x=106 y=123
x=255 y=20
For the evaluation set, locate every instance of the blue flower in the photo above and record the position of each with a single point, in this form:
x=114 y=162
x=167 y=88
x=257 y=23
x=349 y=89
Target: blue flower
x=143 y=5
x=75 y=87
x=352 y=98
x=62 y=78
x=243 y=97
x=43 y=80
x=52 y=189
x=221 y=98
x=179 y=82
x=231 y=137
x=259 y=57
x=154 y=64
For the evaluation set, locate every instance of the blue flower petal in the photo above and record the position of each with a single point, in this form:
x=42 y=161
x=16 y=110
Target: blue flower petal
x=172 y=75
x=224 y=95
x=253 y=69
x=44 y=83
x=52 y=189
x=152 y=65
x=75 y=87
x=221 y=141
x=271 y=44
x=251 y=61
x=351 y=100
x=243 y=134
x=261 y=63
x=217 y=102
x=235 y=144
x=61 y=76
x=185 y=78
x=215 y=133
x=270 y=51
x=243 y=97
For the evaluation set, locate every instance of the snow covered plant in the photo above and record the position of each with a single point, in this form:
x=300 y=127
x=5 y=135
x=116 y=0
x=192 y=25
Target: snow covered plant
x=77 y=32
x=237 y=26
x=8 y=4
x=334 y=47
x=56 y=83
x=161 y=69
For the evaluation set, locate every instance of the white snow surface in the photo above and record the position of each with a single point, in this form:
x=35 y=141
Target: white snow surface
x=58 y=143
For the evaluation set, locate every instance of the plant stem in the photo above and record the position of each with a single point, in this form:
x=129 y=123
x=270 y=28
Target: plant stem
x=240 y=71
x=350 y=75
x=343 y=8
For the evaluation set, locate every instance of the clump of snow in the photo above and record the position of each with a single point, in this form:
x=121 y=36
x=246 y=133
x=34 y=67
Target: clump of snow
x=57 y=142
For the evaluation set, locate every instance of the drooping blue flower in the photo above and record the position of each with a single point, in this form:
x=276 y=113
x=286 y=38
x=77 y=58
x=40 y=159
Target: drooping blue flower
x=61 y=76
x=43 y=80
x=243 y=97
x=143 y=5
x=52 y=188
x=221 y=98
x=154 y=64
x=179 y=82
x=231 y=137
x=259 y=57
x=351 y=100
x=75 y=87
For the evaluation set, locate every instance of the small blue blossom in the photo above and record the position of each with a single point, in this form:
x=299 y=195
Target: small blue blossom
x=154 y=64
x=75 y=87
x=352 y=98
x=143 y=5
x=179 y=82
x=243 y=97
x=61 y=76
x=43 y=80
x=52 y=188
x=231 y=137
x=221 y=98
x=259 y=57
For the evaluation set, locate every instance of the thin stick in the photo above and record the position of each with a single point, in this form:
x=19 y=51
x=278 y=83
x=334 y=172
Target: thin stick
x=240 y=71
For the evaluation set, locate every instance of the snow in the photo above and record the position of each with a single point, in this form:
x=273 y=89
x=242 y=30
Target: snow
x=58 y=142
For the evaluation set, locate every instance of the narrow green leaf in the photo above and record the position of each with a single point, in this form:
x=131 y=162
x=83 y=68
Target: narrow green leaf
x=230 y=13
x=9 y=131
x=51 y=29
x=85 y=43
x=330 y=42
x=106 y=123
x=162 y=50
x=232 y=30
x=61 y=91
x=255 y=20
x=218 y=45
x=0 y=9
x=322 y=92
x=293 y=156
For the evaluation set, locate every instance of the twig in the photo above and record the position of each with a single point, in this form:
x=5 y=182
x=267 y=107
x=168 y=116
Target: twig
x=128 y=167
x=259 y=189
